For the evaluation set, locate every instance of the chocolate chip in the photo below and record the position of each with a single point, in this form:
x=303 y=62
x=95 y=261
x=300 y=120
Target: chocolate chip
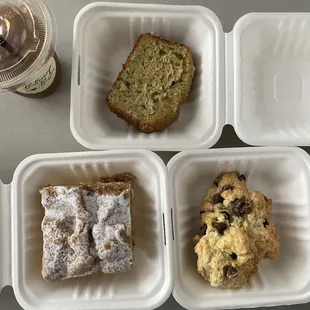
x=226 y=215
x=266 y=199
x=230 y=271
x=217 y=198
x=220 y=227
x=240 y=207
x=202 y=211
x=203 y=230
x=233 y=256
x=266 y=223
x=228 y=187
x=247 y=208
x=241 y=177
x=237 y=205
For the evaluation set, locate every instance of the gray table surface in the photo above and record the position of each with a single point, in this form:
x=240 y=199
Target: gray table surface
x=28 y=127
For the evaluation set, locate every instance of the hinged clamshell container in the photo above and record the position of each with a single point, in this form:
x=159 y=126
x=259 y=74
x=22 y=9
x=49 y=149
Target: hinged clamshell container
x=280 y=173
x=146 y=286
x=254 y=78
x=166 y=217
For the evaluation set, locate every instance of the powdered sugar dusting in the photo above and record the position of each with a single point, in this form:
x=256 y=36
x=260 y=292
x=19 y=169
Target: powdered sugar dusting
x=61 y=202
x=86 y=229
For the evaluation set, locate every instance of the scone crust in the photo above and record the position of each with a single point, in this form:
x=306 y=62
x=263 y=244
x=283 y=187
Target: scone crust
x=236 y=232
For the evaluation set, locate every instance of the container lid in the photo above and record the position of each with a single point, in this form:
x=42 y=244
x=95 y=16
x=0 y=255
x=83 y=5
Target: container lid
x=25 y=40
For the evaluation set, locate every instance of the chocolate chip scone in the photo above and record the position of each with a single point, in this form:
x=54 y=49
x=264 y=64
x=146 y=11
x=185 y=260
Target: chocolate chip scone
x=236 y=232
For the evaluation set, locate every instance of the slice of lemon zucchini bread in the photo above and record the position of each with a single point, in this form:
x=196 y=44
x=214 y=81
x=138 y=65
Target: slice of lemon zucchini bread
x=155 y=80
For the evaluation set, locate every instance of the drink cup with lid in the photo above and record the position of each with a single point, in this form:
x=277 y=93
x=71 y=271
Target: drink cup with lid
x=29 y=65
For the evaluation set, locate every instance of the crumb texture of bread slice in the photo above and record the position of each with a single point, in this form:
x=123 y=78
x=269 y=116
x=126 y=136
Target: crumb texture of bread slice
x=155 y=80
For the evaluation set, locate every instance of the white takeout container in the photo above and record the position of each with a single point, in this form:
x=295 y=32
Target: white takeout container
x=280 y=173
x=254 y=78
x=166 y=218
x=146 y=286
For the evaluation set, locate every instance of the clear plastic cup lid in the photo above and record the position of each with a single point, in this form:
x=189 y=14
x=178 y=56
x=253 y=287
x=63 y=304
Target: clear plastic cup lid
x=26 y=40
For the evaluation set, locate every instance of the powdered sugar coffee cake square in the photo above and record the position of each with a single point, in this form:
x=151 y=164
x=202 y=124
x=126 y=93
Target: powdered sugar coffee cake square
x=86 y=229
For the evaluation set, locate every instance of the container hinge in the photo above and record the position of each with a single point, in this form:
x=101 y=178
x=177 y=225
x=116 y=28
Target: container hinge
x=6 y=237
x=172 y=224
x=79 y=71
x=229 y=75
x=164 y=229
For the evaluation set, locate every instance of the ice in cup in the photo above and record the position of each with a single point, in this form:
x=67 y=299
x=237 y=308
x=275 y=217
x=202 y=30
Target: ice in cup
x=29 y=65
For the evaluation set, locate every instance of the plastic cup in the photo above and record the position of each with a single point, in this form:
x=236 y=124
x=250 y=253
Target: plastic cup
x=29 y=65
